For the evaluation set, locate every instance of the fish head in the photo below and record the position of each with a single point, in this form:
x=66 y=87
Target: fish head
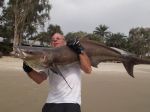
x=36 y=58
x=32 y=55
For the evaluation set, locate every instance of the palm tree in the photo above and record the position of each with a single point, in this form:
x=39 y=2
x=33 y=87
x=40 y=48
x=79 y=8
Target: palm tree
x=101 y=31
x=117 y=40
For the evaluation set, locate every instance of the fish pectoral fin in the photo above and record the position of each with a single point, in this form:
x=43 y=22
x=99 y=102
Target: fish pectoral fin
x=129 y=67
x=54 y=70
x=95 y=62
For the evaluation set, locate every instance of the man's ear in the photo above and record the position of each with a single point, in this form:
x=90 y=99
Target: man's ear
x=65 y=43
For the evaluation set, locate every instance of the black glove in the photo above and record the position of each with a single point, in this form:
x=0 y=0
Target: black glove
x=75 y=46
x=26 y=68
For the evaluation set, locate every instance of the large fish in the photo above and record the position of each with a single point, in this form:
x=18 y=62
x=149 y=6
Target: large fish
x=50 y=57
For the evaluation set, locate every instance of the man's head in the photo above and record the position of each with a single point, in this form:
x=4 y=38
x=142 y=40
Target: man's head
x=58 y=40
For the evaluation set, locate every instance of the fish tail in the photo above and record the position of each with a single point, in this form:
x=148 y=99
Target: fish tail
x=129 y=63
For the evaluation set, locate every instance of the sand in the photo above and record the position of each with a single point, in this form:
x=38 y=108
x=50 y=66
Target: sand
x=108 y=89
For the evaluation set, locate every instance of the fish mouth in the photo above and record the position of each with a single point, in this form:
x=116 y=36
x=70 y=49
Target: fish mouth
x=31 y=54
x=26 y=53
x=19 y=53
x=37 y=56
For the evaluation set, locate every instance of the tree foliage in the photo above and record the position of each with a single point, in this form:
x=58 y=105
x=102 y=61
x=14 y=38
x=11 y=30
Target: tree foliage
x=73 y=35
x=117 y=40
x=102 y=32
x=21 y=20
x=44 y=37
x=7 y=24
x=1 y=3
x=54 y=29
x=26 y=17
x=139 y=39
x=92 y=36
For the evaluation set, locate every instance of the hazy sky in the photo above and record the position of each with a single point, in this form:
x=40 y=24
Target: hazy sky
x=85 y=15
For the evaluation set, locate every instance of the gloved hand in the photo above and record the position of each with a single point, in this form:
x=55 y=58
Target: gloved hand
x=75 y=46
x=26 y=68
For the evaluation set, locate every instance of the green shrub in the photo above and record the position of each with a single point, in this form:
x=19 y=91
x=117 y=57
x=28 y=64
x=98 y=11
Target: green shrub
x=5 y=48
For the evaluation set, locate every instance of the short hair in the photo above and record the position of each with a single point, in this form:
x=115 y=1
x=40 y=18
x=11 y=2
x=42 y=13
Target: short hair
x=53 y=33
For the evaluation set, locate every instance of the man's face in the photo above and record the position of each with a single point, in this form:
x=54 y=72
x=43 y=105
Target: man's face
x=58 y=40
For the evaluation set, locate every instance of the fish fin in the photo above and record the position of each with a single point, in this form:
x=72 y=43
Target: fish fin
x=95 y=62
x=123 y=52
x=57 y=71
x=53 y=70
x=129 y=67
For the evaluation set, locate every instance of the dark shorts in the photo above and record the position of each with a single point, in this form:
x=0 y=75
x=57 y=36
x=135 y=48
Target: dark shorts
x=61 y=107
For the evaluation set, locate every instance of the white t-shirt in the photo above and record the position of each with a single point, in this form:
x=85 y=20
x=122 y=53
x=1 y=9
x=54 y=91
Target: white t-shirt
x=59 y=91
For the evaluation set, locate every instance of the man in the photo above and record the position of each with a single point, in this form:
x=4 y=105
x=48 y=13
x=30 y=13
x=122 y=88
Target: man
x=62 y=98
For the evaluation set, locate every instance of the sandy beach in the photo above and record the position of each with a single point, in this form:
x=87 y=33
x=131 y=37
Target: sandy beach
x=108 y=89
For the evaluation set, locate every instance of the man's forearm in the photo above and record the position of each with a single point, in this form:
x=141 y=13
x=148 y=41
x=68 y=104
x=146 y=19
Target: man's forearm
x=84 y=60
x=37 y=76
x=85 y=63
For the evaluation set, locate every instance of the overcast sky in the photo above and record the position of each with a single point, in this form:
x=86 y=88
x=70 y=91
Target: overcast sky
x=85 y=15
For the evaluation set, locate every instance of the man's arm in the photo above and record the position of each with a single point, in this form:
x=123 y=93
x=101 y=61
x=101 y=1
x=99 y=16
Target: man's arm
x=84 y=59
x=85 y=63
x=38 y=77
